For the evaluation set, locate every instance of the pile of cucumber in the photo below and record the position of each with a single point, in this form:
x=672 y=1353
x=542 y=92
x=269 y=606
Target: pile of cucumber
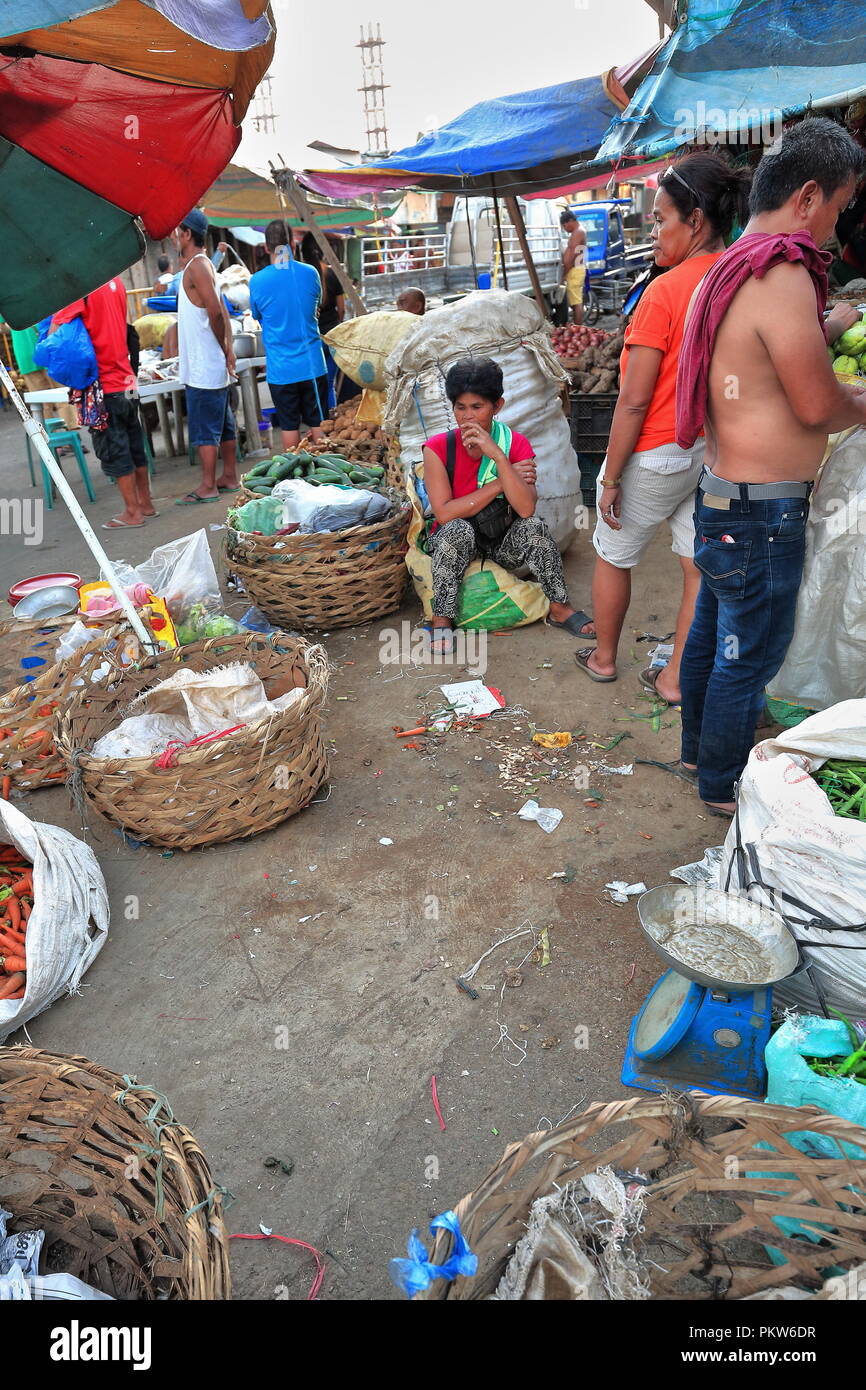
x=313 y=468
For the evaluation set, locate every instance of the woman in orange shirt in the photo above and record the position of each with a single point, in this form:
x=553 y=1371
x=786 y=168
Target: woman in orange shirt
x=647 y=478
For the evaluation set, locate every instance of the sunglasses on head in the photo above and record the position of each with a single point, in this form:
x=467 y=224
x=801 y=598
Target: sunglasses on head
x=671 y=172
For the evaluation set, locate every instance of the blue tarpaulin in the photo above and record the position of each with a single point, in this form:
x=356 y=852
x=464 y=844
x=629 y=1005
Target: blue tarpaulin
x=742 y=66
x=526 y=139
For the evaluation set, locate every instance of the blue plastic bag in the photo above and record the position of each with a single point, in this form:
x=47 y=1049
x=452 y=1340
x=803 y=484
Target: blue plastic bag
x=418 y=1273
x=67 y=355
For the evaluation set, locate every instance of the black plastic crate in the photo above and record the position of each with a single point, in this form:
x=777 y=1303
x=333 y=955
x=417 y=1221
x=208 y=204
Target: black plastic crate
x=590 y=467
x=591 y=419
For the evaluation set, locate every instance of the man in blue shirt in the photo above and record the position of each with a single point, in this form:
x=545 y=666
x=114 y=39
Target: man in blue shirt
x=284 y=297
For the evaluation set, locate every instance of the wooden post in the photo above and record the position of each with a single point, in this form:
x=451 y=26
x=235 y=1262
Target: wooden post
x=502 y=257
x=288 y=184
x=517 y=218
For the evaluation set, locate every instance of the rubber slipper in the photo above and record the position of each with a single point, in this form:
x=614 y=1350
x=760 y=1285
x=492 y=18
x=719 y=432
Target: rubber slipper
x=649 y=680
x=688 y=774
x=191 y=499
x=228 y=489
x=718 y=811
x=582 y=658
x=573 y=625
x=115 y=524
x=440 y=640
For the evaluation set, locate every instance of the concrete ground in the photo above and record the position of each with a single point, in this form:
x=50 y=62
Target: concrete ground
x=293 y=995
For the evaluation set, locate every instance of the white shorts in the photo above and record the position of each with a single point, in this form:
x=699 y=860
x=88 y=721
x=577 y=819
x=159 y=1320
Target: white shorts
x=656 y=487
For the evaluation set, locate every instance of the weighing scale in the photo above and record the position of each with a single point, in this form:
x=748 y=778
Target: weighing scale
x=704 y=1025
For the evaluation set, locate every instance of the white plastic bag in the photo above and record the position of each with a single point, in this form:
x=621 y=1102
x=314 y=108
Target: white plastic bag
x=182 y=572
x=826 y=661
x=327 y=506
x=790 y=833
x=511 y=329
x=69 y=922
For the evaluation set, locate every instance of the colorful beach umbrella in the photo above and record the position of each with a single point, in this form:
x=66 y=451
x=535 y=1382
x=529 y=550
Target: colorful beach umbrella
x=114 y=120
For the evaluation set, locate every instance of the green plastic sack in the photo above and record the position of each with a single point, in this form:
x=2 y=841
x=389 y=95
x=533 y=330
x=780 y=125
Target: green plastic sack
x=263 y=514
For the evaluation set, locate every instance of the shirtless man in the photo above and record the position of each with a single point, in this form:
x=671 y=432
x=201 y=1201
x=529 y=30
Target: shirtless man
x=207 y=363
x=574 y=263
x=772 y=401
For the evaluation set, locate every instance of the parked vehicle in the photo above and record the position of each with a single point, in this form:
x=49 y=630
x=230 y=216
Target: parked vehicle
x=447 y=264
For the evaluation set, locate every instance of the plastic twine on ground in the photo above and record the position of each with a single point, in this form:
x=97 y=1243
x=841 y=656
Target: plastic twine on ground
x=418 y=1273
x=288 y=1240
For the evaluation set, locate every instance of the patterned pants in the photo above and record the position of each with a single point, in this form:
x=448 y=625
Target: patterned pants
x=527 y=542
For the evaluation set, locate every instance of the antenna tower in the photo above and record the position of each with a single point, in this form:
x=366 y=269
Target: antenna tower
x=374 y=88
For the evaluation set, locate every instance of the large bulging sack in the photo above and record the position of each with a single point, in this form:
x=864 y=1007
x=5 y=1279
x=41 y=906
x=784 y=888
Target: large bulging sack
x=69 y=923
x=360 y=346
x=826 y=661
x=512 y=330
x=794 y=843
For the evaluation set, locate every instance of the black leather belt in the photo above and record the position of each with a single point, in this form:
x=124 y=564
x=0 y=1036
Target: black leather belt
x=756 y=492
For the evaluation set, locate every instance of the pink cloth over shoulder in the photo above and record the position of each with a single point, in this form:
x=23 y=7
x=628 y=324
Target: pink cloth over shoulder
x=754 y=254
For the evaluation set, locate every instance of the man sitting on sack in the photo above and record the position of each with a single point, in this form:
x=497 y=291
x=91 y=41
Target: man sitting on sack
x=480 y=481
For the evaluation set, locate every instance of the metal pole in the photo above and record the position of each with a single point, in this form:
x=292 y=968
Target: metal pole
x=502 y=260
x=471 y=244
x=36 y=433
x=287 y=183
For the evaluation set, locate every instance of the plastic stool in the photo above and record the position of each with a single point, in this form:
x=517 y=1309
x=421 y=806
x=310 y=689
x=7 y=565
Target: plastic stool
x=56 y=440
x=55 y=425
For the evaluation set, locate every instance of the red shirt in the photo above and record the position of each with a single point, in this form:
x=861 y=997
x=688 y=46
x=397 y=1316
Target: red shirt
x=104 y=315
x=466 y=467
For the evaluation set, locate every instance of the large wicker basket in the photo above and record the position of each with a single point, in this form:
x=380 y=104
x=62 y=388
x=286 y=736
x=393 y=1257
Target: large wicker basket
x=707 y=1221
x=123 y=1192
x=226 y=789
x=27 y=647
x=27 y=752
x=325 y=579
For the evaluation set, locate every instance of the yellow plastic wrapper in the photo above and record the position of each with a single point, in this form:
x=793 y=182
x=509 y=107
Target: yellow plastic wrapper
x=552 y=740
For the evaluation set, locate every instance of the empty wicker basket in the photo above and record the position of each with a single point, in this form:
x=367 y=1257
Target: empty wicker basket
x=325 y=579
x=226 y=789
x=123 y=1192
x=708 y=1216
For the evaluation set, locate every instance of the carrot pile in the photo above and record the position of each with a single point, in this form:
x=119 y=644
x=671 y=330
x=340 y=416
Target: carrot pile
x=38 y=742
x=16 y=904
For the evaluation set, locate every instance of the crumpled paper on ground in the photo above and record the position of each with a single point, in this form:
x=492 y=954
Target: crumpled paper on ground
x=189 y=705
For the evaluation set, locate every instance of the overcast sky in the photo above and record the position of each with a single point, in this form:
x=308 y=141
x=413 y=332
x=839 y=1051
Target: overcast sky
x=440 y=58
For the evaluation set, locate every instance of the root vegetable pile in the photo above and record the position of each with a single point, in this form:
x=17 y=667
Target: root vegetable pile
x=16 y=904
x=345 y=428
x=592 y=357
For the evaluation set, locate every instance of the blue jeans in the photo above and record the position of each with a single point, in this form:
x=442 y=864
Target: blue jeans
x=743 y=624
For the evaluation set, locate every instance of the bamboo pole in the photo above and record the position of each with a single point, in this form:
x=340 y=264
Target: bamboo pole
x=288 y=184
x=37 y=434
x=519 y=226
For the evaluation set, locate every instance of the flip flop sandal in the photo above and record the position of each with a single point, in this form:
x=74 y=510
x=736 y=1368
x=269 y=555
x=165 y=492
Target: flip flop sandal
x=718 y=811
x=688 y=774
x=441 y=640
x=573 y=625
x=115 y=524
x=226 y=489
x=649 y=678
x=191 y=499
x=582 y=658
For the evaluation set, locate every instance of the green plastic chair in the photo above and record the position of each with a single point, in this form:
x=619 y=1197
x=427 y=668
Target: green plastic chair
x=57 y=439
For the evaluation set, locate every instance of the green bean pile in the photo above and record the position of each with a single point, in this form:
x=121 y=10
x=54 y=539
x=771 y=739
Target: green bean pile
x=844 y=784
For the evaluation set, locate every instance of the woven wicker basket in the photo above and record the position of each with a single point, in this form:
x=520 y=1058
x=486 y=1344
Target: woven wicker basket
x=226 y=789
x=26 y=648
x=89 y=1171
x=706 y=1220
x=325 y=579
x=27 y=752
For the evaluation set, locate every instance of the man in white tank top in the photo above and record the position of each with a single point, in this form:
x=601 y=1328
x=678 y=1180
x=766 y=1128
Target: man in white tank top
x=207 y=363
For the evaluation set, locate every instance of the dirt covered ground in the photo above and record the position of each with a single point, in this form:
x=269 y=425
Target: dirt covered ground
x=294 y=995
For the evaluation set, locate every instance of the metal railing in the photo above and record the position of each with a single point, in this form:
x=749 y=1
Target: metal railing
x=401 y=255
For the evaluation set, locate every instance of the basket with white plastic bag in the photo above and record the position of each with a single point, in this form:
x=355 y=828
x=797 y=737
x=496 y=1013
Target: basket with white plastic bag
x=788 y=849
x=68 y=922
